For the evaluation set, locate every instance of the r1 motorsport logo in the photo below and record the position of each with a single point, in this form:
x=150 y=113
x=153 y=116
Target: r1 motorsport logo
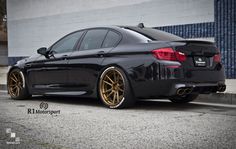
x=43 y=105
x=43 y=110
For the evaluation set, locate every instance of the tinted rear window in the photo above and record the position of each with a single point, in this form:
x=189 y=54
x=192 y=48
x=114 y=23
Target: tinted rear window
x=93 y=39
x=152 y=34
x=111 y=39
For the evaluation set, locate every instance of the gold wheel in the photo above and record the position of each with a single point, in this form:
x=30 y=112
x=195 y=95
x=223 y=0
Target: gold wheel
x=112 y=87
x=15 y=83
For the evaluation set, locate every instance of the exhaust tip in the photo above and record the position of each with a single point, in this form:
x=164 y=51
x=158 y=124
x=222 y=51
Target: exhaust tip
x=221 y=88
x=180 y=92
x=184 y=91
x=188 y=90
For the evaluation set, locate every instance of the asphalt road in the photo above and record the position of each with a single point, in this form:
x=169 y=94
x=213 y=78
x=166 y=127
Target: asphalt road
x=85 y=123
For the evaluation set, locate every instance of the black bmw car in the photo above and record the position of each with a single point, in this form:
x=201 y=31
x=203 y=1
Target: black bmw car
x=120 y=64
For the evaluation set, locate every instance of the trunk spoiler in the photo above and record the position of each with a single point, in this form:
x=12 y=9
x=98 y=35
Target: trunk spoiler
x=195 y=42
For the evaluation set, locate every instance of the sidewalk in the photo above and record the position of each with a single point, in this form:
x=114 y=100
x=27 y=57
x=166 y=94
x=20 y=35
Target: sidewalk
x=228 y=97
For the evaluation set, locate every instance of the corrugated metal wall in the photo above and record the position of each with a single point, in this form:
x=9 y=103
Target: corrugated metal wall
x=196 y=30
x=225 y=34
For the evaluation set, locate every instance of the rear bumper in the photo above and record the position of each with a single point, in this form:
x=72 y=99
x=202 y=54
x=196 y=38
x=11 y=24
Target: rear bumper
x=168 y=88
x=156 y=79
x=199 y=88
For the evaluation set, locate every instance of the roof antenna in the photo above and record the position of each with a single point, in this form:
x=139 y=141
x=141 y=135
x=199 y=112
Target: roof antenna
x=141 y=25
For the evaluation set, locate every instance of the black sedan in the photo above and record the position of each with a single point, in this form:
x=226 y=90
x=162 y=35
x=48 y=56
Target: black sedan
x=120 y=64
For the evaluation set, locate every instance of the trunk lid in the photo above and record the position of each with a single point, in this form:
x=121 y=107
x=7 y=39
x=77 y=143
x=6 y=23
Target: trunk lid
x=199 y=65
x=195 y=47
x=199 y=53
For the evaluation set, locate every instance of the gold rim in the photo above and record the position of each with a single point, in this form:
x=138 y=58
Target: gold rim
x=112 y=87
x=15 y=84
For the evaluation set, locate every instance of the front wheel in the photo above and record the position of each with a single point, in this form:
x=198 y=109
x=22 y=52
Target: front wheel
x=114 y=89
x=16 y=85
x=183 y=99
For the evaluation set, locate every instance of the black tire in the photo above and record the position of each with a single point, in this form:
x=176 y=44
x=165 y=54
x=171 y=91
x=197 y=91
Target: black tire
x=23 y=92
x=127 y=99
x=183 y=99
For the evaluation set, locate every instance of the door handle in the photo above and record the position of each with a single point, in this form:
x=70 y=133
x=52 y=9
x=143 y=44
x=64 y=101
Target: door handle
x=64 y=57
x=100 y=53
x=28 y=65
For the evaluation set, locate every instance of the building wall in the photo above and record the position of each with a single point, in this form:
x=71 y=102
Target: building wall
x=3 y=47
x=33 y=24
x=3 y=53
x=225 y=34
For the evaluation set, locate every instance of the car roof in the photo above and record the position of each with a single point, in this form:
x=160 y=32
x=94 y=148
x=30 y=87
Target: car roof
x=149 y=32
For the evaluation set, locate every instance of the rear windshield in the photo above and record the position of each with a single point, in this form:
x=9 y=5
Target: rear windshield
x=152 y=34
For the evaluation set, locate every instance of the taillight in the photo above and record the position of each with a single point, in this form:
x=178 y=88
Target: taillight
x=217 y=58
x=169 y=54
x=180 y=56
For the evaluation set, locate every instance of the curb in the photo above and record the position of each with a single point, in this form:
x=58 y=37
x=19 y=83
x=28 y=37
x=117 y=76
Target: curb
x=220 y=98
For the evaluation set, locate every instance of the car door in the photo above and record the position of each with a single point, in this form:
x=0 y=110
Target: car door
x=51 y=73
x=86 y=61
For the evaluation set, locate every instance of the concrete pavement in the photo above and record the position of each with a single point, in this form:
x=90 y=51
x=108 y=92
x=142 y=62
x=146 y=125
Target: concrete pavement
x=85 y=123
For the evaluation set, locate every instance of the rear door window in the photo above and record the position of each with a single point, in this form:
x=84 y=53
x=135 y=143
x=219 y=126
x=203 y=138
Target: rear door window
x=111 y=39
x=93 y=39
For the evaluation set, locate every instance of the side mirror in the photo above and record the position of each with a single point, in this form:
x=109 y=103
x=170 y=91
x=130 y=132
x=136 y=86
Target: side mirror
x=42 y=51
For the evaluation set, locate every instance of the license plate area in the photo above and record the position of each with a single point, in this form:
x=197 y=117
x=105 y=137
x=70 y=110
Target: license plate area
x=199 y=61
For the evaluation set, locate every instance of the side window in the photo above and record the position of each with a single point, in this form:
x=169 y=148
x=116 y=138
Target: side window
x=67 y=43
x=111 y=39
x=93 y=39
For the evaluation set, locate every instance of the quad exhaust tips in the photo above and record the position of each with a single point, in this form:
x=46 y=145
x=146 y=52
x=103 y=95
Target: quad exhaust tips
x=184 y=91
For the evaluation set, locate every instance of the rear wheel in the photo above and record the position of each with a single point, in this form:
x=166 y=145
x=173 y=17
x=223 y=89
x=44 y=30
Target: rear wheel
x=114 y=88
x=183 y=99
x=16 y=85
